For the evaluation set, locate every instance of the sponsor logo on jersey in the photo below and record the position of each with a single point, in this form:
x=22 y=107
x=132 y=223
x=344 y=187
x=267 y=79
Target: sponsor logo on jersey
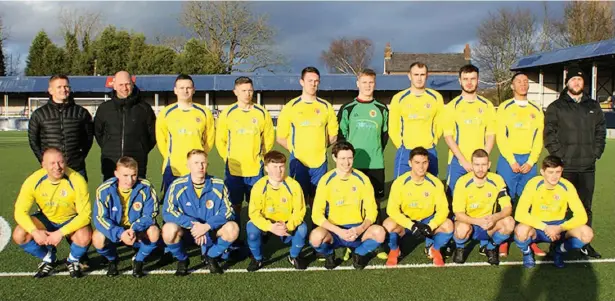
x=372 y=113
x=137 y=206
x=209 y=204
x=339 y=203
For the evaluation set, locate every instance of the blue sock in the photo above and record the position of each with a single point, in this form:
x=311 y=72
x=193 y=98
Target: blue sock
x=460 y=243
x=324 y=249
x=393 y=241
x=524 y=246
x=367 y=246
x=34 y=249
x=570 y=244
x=144 y=250
x=484 y=242
x=109 y=251
x=255 y=239
x=429 y=242
x=76 y=252
x=218 y=248
x=204 y=249
x=440 y=239
x=496 y=239
x=177 y=250
x=298 y=240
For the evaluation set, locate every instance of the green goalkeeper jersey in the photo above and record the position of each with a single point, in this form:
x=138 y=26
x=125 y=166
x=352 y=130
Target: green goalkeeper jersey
x=364 y=125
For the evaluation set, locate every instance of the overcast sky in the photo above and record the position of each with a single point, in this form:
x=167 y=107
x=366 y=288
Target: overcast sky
x=304 y=29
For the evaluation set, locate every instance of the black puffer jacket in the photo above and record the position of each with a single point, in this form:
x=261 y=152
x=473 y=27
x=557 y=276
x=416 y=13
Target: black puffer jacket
x=67 y=126
x=125 y=127
x=575 y=132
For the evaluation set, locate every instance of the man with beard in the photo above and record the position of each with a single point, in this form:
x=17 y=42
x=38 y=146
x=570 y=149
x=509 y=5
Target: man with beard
x=469 y=124
x=63 y=124
x=124 y=126
x=520 y=124
x=575 y=130
x=414 y=120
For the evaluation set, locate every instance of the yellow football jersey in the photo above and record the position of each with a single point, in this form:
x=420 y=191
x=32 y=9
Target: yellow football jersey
x=519 y=130
x=480 y=200
x=269 y=204
x=414 y=119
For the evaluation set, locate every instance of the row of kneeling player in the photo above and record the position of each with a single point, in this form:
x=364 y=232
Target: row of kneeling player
x=197 y=211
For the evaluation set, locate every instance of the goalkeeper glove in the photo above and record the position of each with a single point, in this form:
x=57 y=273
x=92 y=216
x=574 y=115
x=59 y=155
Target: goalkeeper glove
x=420 y=230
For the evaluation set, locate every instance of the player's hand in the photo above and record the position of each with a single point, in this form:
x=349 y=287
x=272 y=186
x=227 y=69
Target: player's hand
x=525 y=168
x=487 y=222
x=201 y=240
x=54 y=238
x=357 y=231
x=466 y=165
x=515 y=167
x=279 y=229
x=553 y=232
x=347 y=235
x=40 y=237
x=198 y=229
x=127 y=238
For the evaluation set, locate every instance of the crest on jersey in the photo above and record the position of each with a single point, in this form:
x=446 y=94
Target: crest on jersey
x=354 y=188
x=372 y=113
x=137 y=206
x=284 y=200
x=480 y=110
x=556 y=197
x=426 y=194
x=63 y=193
x=209 y=204
x=254 y=120
x=533 y=116
x=489 y=194
x=198 y=120
x=317 y=111
x=427 y=105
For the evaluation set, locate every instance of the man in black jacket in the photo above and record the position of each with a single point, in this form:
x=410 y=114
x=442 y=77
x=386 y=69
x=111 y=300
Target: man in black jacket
x=575 y=130
x=124 y=126
x=62 y=124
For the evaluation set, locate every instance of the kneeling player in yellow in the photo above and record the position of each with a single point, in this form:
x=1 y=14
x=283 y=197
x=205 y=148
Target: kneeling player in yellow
x=344 y=211
x=62 y=197
x=550 y=196
x=276 y=207
x=418 y=206
x=125 y=212
x=197 y=210
x=475 y=203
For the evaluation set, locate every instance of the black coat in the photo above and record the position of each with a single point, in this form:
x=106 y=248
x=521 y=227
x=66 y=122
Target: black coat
x=66 y=126
x=575 y=132
x=125 y=127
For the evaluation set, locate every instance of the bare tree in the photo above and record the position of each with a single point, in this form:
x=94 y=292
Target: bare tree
x=583 y=22
x=83 y=24
x=503 y=38
x=233 y=33
x=348 y=55
x=12 y=62
x=176 y=43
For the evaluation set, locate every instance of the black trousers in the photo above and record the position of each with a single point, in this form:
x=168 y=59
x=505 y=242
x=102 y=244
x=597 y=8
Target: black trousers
x=584 y=182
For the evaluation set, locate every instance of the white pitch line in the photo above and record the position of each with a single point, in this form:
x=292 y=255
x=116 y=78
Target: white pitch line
x=312 y=269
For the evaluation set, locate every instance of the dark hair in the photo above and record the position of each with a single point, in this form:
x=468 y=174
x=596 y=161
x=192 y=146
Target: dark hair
x=127 y=162
x=480 y=153
x=419 y=151
x=342 y=146
x=418 y=64
x=517 y=74
x=274 y=156
x=243 y=80
x=309 y=70
x=184 y=77
x=196 y=152
x=367 y=72
x=58 y=76
x=552 y=161
x=469 y=68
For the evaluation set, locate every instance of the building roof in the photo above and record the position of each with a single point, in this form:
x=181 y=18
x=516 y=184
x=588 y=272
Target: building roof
x=586 y=51
x=436 y=62
x=165 y=83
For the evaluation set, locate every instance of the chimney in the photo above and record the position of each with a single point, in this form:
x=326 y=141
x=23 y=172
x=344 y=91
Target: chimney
x=467 y=53
x=387 y=51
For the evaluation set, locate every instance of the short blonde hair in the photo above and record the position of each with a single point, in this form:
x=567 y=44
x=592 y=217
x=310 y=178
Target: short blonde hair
x=127 y=162
x=196 y=152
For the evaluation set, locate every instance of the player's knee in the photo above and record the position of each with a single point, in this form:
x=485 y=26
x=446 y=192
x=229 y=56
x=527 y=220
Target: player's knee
x=82 y=237
x=20 y=236
x=522 y=232
x=317 y=236
x=587 y=234
x=389 y=224
x=447 y=226
x=462 y=230
x=153 y=233
x=508 y=225
x=171 y=233
x=230 y=231
x=98 y=239
x=377 y=233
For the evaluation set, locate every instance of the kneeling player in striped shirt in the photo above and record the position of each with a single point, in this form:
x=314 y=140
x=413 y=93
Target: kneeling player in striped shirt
x=418 y=206
x=197 y=211
x=125 y=212
x=476 y=200
x=345 y=211
x=276 y=208
x=550 y=196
